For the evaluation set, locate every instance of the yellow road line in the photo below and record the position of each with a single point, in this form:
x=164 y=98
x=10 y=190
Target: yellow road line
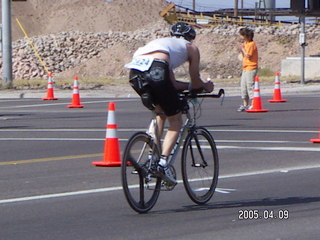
x=37 y=160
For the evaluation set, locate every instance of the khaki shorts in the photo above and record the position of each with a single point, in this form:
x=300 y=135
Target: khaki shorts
x=247 y=83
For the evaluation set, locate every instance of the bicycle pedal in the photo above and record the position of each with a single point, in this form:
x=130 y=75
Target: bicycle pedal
x=167 y=186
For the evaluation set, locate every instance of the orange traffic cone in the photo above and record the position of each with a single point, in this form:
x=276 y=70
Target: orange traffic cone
x=111 y=147
x=256 y=102
x=316 y=140
x=75 y=96
x=50 y=92
x=277 y=91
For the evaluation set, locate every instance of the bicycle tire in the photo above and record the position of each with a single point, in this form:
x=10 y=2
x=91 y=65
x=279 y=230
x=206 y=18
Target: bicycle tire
x=200 y=165
x=141 y=189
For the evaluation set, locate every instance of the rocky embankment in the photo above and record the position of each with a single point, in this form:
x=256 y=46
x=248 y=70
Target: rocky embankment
x=66 y=50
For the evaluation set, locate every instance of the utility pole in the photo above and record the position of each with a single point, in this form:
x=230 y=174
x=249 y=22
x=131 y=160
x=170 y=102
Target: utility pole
x=194 y=5
x=303 y=44
x=6 y=45
x=235 y=13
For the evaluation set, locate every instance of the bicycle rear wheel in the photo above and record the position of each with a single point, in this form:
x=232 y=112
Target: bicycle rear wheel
x=140 y=186
x=200 y=165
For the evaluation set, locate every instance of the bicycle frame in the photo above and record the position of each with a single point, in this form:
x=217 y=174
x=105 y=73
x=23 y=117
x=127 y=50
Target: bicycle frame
x=190 y=122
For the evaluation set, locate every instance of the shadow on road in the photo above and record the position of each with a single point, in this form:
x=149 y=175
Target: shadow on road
x=266 y=202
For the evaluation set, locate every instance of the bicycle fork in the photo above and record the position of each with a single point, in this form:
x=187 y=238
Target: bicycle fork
x=204 y=162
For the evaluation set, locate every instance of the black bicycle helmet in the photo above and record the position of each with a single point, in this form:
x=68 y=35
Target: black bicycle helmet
x=182 y=29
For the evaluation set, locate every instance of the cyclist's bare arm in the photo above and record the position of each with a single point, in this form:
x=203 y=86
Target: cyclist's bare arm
x=197 y=83
x=181 y=86
x=194 y=71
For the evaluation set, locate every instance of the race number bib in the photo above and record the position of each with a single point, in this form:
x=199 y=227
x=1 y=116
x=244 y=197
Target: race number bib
x=141 y=63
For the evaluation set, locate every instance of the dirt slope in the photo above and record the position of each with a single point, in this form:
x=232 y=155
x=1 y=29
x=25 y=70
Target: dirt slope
x=219 y=54
x=46 y=16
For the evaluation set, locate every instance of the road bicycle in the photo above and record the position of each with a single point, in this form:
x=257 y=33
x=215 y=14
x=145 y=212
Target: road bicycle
x=199 y=160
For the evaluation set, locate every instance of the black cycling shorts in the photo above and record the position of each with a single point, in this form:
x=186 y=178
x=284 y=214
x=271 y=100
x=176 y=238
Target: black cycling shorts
x=160 y=87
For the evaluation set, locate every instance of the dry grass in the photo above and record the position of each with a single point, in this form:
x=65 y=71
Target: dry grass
x=96 y=83
x=63 y=83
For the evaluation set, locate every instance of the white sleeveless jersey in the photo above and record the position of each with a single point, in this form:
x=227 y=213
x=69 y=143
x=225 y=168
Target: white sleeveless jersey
x=175 y=47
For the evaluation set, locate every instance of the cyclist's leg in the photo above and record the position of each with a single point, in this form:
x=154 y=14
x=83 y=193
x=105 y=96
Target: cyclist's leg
x=161 y=118
x=166 y=97
x=167 y=171
x=170 y=103
x=175 y=124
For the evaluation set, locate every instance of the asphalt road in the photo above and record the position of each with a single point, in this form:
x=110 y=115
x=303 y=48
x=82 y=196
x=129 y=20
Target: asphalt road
x=269 y=171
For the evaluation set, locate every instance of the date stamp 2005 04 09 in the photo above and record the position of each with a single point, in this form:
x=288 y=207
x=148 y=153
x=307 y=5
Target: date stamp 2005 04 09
x=254 y=214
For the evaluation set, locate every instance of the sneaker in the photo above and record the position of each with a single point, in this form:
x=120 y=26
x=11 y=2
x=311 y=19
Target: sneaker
x=167 y=175
x=241 y=108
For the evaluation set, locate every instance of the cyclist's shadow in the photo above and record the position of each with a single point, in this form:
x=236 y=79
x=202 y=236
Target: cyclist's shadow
x=265 y=202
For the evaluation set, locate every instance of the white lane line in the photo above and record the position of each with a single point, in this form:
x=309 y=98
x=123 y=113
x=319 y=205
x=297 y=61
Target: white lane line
x=58 y=195
x=55 y=139
x=126 y=139
x=14 y=100
x=119 y=188
x=221 y=147
x=256 y=141
x=262 y=130
x=57 y=104
x=297 y=149
x=270 y=171
x=144 y=129
x=56 y=130
x=225 y=190
x=308 y=149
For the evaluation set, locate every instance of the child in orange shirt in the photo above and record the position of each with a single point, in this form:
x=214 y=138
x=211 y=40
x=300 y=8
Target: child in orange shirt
x=249 y=53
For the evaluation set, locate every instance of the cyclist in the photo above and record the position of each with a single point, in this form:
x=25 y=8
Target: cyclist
x=152 y=76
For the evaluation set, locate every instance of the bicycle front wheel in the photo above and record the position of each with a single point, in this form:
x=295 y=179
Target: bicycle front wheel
x=140 y=186
x=200 y=165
